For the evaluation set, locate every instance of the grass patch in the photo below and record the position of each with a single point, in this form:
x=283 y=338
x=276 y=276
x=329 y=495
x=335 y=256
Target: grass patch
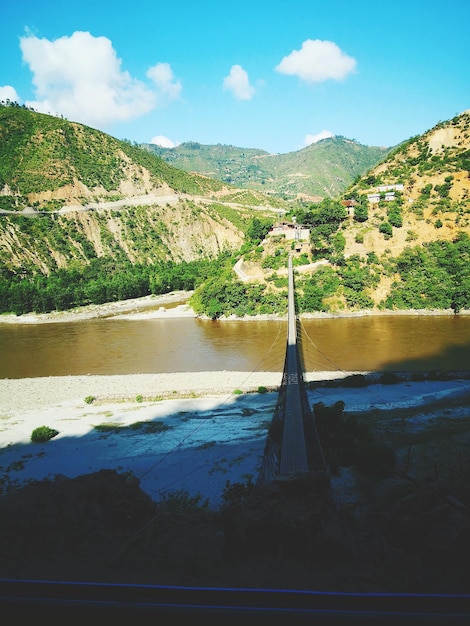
x=147 y=428
x=207 y=445
x=107 y=428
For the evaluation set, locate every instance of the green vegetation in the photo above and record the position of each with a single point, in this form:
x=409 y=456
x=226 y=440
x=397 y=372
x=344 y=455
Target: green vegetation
x=313 y=291
x=103 y=280
x=346 y=442
x=280 y=175
x=361 y=211
x=236 y=495
x=147 y=427
x=324 y=220
x=181 y=502
x=43 y=434
x=432 y=276
x=44 y=153
x=225 y=296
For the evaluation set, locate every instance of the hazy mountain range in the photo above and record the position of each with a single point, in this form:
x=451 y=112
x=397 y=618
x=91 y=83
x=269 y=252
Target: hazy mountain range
x=322 y=169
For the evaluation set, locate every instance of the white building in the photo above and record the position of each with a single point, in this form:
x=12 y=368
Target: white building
x=291 y=231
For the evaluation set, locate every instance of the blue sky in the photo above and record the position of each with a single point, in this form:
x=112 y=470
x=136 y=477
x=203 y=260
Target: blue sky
x=254 y=74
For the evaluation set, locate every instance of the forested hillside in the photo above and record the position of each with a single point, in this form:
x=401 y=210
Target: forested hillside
x=86 y=218
x=397 y=239
x=47 y=161
x=323 y=169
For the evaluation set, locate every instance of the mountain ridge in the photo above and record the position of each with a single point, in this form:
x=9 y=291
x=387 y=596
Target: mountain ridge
x=322 y=169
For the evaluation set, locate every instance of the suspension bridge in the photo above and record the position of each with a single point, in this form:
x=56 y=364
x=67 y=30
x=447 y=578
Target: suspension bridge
x=293 y=449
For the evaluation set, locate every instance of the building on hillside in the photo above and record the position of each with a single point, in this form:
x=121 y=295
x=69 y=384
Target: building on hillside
x=377 y=197
x=349 y=205
x=398 y=187
x=291 y=231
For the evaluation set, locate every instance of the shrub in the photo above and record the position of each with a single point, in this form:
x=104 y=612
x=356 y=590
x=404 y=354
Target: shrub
x=90 y=399
x=181 y=501
x=139 y=398
x=347 y=442
x=237 y=494
x=390 y=378
x=386 y=229
x=43 y=433
x=262 y=389
x=355 y=380
x=374 y=459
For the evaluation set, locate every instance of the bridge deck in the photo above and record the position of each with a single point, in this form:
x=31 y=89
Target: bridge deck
x=293 y=452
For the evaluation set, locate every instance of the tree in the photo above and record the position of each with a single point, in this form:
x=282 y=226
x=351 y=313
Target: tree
x=395 y=216
x=258 y=229
x=361 y=212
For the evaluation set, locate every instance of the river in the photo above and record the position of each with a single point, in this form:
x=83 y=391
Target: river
x=108 y=346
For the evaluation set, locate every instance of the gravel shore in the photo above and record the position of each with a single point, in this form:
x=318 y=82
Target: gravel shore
x=29 y=393
x=26 y=394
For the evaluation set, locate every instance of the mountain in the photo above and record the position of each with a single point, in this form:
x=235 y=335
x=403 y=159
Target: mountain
x=85 y=217
x=94 y=196
x=48 y=160
x=399 y=239
x=323 y=169
x=428 y=176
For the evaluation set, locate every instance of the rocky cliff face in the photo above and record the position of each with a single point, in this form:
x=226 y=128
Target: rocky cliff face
x=176 y=229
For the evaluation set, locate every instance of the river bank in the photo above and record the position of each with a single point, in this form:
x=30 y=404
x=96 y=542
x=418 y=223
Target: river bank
x=165 y=305
x=214 y=423
x=174 y=305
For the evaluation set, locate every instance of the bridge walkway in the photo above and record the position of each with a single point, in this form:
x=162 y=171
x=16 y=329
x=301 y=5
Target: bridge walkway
x=293 y=447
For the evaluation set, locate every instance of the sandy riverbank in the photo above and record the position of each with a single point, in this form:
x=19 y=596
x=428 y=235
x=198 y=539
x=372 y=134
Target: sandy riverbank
x=175 y=305
x=165 y=305
x=25 y=394
x=29 y=393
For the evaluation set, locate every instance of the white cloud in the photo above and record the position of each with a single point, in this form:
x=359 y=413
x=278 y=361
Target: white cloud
x=238 y=83
x=81 y=78
x=7 y=92
x=163 y=77
x=164 y=142
x=324 y=134
x=317 y=61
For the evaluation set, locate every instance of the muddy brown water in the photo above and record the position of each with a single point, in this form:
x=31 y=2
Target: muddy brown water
x=109 y=346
